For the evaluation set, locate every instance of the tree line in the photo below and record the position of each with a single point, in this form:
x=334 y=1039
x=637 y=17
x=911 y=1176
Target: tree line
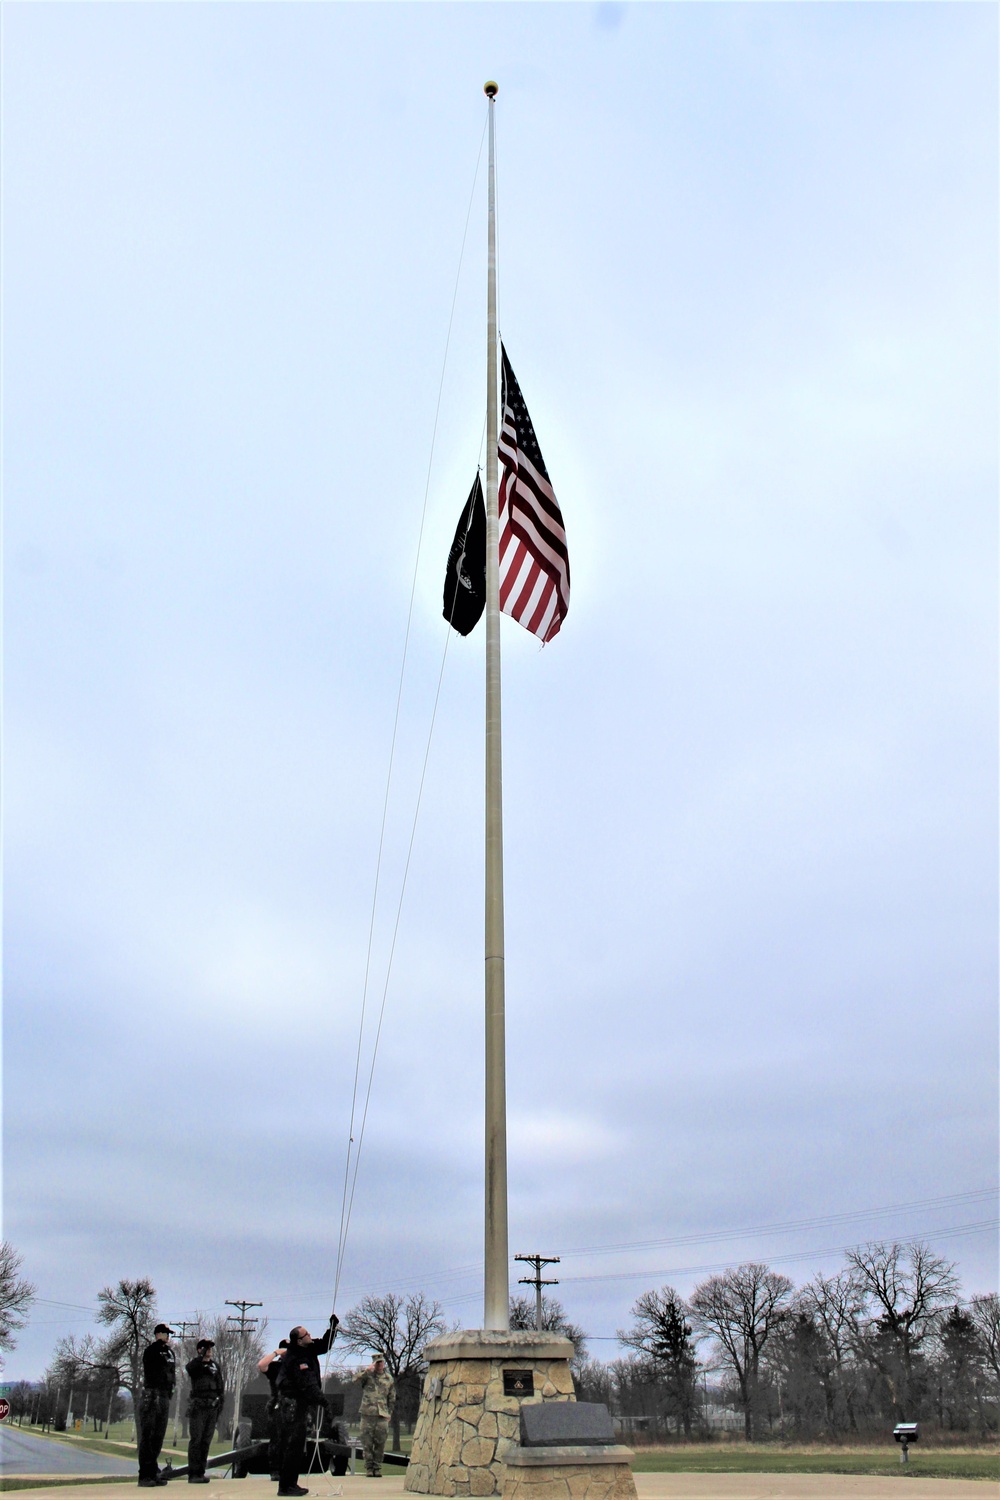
x=884 y=1340
x=888 y=1338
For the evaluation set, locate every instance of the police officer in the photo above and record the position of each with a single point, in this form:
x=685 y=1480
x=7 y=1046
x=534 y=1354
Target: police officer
x=204 y=1405
x=378 y=1397
x=300 y=1392
x=158 y=1376
x=270 y=1366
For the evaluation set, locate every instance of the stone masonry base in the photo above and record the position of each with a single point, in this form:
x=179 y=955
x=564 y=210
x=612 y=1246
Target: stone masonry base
x=466 y=1425
x=569 y=1474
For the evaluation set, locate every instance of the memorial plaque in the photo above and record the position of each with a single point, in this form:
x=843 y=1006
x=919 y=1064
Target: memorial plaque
x=557 y=1423
x=519 y=1382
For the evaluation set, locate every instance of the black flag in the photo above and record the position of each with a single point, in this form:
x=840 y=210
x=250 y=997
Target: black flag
x=465 y=580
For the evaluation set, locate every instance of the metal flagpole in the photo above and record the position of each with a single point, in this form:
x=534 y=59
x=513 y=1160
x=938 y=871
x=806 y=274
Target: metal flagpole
x=497 y=1310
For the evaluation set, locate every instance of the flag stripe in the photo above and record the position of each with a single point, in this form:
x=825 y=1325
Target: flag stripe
x=534 y=562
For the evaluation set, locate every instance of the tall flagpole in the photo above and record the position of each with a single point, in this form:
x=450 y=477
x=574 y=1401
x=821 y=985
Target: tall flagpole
x=496 y=1311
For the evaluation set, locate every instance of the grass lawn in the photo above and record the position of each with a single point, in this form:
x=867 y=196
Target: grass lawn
x=25 y=1481
x=738 y=1458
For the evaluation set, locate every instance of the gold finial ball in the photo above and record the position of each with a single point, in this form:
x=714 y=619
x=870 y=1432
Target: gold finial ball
x=490 y=89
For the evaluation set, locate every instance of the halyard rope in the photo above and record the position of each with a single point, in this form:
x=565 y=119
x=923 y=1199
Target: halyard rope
x=354 y=1149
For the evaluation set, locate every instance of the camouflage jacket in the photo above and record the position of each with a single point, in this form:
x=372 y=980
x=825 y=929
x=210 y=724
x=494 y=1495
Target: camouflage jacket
x=378 y=1393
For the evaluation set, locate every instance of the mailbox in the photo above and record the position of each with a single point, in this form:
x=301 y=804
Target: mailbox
x=905 y=1433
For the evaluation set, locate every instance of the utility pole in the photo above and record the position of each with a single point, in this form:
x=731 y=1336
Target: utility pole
x=182 y=1325
x=113 y=1381
x=537 y=1281
x=244 y=1324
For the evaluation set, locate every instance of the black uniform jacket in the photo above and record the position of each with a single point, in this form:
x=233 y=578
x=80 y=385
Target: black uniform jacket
x=158 y=1368
x=299 y=1375
x=206 y=1382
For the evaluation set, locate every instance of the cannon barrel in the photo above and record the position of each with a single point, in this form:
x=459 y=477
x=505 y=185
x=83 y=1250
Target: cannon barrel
x=253 y=1450
x=219 y=1461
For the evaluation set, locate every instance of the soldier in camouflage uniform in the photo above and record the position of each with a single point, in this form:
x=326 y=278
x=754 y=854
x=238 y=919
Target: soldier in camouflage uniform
x=378 y=1397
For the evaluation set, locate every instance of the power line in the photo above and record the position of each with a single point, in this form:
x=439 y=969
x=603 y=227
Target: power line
x=794 y=1256
x=453 y=1273
x=714 y=1236
x=798 y=1255
x=819 y=1222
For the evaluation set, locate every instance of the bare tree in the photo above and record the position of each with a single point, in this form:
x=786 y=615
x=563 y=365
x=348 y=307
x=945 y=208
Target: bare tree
x=75 y=1368
x=17 y=1294
x=129 y=1311
x=739 y=1311
x=961 y=1372
x=985 y=1313
x=638 y=1395
x=399 y=1331
x=661 y=1332
x=905 y=1287
x=523 y=1315
x=594 y=1382
x=237 y=1358
x=836 y=1304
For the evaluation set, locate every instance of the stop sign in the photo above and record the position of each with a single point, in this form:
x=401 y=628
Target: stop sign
x=4 y=1409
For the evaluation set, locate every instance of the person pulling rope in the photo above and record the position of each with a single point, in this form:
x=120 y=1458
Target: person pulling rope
x=298 y=1388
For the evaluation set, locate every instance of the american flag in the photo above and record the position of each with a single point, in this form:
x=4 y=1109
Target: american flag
x=534 y=562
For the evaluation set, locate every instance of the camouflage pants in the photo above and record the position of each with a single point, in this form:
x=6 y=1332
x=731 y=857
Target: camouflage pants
x=374 y=1431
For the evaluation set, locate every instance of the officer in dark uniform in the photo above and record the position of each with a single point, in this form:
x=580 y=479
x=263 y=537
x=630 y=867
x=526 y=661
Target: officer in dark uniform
x=270 y=1366
x=204 y=1405
x=158 y=1376
x=300 y=1391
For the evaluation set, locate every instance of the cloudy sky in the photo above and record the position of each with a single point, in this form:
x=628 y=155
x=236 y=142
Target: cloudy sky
x=748 y=259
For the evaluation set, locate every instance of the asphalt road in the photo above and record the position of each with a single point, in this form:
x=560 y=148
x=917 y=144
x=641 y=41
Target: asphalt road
x=26 y=1453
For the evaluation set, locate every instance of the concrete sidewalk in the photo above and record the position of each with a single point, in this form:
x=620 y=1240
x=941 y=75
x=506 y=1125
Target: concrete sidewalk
x=649 y=1486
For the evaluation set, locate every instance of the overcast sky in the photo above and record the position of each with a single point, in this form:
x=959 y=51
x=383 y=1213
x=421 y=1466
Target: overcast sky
x=748 y=261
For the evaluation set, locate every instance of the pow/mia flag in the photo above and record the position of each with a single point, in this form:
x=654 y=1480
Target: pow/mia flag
x=465 y=580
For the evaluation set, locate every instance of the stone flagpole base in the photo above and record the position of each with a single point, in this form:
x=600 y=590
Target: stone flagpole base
x=469 y=1416
x=570 y=1473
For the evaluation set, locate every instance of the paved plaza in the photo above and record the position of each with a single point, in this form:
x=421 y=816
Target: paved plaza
x=649 y=1486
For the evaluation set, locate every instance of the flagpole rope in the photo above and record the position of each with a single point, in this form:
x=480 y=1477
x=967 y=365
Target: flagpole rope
x=399 y=910
x=350 y=1181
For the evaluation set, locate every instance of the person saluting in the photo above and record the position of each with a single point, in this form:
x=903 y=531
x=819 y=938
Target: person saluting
x=378 y=1397
x=204 y=1405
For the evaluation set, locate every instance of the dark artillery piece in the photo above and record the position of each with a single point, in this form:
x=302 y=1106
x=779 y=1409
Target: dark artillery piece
x=250 y=1453
x=250 y=1456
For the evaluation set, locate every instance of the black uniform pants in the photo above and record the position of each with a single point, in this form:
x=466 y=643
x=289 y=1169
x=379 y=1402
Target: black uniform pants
x=292 y=1426
x=274 y=1438
x=154 y=1412
x=201 y=1426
